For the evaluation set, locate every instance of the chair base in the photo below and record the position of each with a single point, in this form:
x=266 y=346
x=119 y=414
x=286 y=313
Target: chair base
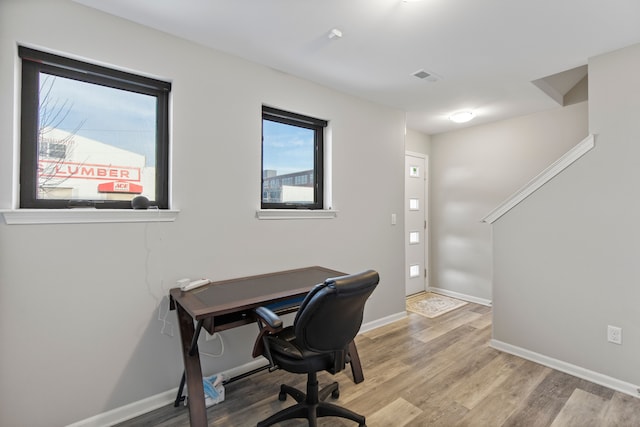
x=311 y=405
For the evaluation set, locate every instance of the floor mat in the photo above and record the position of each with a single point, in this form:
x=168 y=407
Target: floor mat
x=432 y=305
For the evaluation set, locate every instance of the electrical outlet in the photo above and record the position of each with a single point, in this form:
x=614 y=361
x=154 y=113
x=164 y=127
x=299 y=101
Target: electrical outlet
x=614 y=334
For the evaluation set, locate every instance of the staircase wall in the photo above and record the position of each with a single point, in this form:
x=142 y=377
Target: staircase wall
x=566 y=259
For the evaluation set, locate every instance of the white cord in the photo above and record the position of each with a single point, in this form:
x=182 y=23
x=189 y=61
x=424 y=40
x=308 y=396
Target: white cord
x=215 y=335
x=163 y=318
x=165 y=323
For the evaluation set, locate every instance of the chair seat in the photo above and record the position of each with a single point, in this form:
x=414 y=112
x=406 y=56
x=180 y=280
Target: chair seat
x=293 y=357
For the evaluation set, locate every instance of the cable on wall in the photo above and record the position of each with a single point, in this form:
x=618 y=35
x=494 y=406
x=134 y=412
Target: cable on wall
x=167 y=325
x=215 y=335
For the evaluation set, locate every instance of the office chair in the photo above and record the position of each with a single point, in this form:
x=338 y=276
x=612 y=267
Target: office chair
x=327 y=321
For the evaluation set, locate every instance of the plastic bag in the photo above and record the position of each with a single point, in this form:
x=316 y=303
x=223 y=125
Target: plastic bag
x=213 y=389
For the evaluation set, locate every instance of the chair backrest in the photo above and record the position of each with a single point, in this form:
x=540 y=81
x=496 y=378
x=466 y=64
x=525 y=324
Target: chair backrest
x=330 y=316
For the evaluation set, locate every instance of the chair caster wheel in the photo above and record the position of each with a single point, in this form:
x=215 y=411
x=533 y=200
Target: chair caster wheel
x=282 y=396
x=336 y=394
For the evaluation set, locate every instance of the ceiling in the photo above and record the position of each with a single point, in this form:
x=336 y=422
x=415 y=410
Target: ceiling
x=480 y=54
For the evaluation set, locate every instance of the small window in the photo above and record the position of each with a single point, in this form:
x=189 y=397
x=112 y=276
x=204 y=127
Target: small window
x=90 y=135
x=52 y=149
x=414 y=270
x=292 y=160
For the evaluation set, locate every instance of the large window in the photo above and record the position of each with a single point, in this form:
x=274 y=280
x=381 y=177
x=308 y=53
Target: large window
x=292 y=160
x=91 y=135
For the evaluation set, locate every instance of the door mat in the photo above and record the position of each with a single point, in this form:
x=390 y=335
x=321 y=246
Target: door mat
x=432 y=305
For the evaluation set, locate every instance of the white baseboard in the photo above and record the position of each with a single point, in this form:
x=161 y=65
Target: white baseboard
x=247 y=367
x=568 y=368
x=152 y=403
x=129 y=411
x=458 y=295
x=381 y=322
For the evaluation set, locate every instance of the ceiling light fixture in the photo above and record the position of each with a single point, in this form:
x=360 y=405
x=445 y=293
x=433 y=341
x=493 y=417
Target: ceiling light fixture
x=335 y=34
x=462 y=116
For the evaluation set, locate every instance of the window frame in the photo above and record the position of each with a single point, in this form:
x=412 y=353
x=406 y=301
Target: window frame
x=307 y=122
x=33 y=63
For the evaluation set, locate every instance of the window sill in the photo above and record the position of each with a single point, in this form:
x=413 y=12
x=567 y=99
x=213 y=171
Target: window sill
x=296 y=214
x=86 y=216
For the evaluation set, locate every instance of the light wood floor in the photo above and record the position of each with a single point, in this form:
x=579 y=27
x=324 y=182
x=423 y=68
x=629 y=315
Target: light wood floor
x=430 y=372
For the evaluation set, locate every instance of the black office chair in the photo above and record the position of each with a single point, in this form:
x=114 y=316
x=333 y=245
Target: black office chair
x=327 y=321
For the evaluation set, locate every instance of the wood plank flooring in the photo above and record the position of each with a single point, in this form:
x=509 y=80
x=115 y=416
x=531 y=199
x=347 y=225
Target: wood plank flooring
x=430 y=372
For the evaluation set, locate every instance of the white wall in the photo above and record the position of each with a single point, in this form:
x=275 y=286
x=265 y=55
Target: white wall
x=472 y=171
x=417 y=142
x=566 y=259
x=79 y=326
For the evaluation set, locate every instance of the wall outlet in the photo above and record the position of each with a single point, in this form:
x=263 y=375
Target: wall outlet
x=209 y=337
x=614 y=334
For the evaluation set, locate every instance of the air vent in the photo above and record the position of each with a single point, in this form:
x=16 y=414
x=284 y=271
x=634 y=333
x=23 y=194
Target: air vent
x=425 y=75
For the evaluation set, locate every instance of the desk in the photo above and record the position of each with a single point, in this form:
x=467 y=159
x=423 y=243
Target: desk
x=227 y=304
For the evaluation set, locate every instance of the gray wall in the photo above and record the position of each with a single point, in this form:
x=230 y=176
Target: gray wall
x=79 y=304
x=472 y=171
x=566 y=259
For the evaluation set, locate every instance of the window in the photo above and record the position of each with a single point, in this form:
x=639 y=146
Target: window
x=52 y=149
x=90 y=135
x=292 y=160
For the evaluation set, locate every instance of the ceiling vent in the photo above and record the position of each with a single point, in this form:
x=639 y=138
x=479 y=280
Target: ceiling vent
x=425 y=75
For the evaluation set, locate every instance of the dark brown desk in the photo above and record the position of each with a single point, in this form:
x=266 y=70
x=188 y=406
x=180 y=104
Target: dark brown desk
x=230 y=303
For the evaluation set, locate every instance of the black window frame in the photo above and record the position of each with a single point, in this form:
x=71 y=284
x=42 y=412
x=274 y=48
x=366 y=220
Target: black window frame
x=33 y=63
x=299 y=120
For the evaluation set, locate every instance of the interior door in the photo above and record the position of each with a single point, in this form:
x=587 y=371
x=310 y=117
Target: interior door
x=415 y=223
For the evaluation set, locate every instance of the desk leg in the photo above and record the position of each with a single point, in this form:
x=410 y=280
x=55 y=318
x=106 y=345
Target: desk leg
x=356 y=367
x=193 y=370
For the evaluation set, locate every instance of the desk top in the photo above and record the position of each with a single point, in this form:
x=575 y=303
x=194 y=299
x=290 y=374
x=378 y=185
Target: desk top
x=228 y=296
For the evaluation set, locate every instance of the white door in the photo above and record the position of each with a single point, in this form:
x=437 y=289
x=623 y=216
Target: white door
x=415 y=223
